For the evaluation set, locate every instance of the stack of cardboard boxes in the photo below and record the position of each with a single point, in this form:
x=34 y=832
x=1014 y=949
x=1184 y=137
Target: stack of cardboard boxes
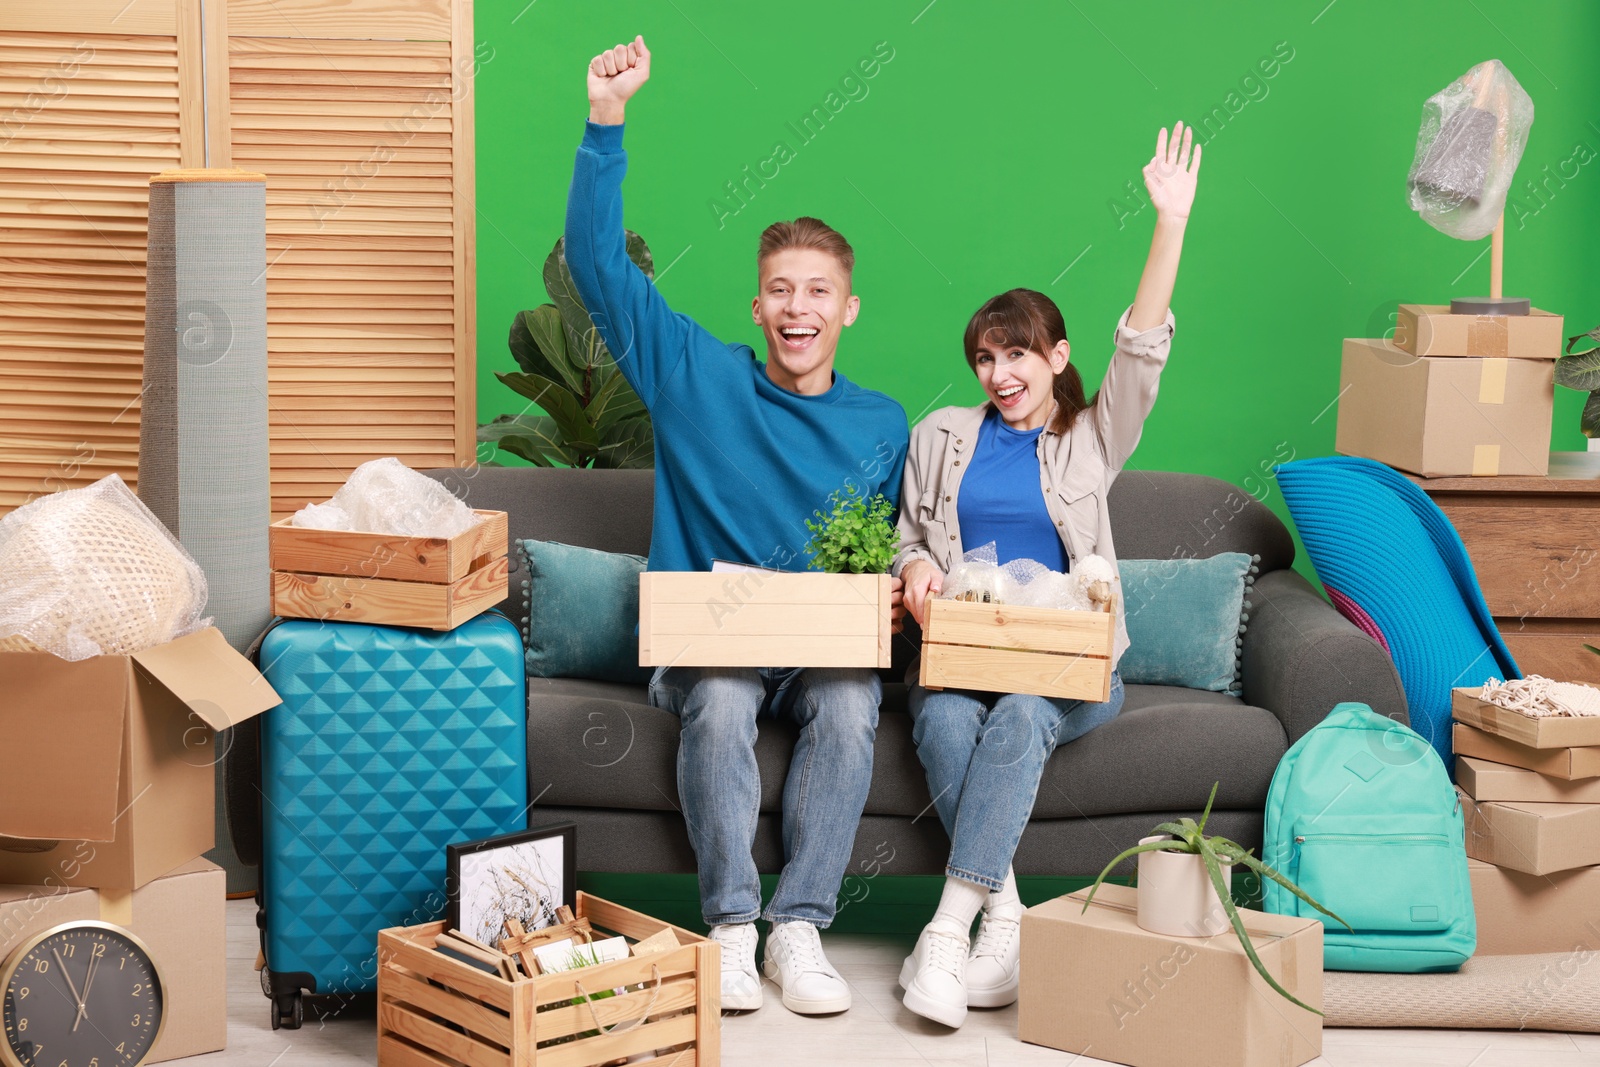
x=1452 y=395
x=1532 y=799
x=107 y=801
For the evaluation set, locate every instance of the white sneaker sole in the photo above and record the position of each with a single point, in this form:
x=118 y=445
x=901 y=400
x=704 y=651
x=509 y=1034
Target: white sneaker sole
x=743 y=1001
x=996 y=997
x=951 y=1015
x=806 y=1005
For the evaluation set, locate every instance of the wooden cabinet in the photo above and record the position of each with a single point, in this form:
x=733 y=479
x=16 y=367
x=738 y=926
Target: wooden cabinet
x=1535 y=544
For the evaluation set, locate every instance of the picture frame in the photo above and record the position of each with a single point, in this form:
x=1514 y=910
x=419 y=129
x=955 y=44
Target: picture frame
x=524 y=875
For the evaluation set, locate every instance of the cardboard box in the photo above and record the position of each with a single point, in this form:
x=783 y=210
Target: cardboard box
x=1482 y=780
x=1520 y=913
x=1535 y=838
x=181 y=917
x=1534 y=731
x=1565 y=763
x=764 y=619
x=1441 y=417
x=1097 y=984
x=1010 y=649
x=110 y=761
x=1430 y=330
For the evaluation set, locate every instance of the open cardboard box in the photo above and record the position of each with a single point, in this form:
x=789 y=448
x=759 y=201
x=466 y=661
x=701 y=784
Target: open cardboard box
x=111 y=781
x=181 y=917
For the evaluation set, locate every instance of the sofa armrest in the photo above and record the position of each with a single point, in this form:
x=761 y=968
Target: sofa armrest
x=1301 y=657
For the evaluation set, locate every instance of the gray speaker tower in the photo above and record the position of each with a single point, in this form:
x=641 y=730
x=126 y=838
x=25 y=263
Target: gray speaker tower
x=203 y=447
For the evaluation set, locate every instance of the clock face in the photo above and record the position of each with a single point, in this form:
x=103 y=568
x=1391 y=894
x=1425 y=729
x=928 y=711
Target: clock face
x=82 y=995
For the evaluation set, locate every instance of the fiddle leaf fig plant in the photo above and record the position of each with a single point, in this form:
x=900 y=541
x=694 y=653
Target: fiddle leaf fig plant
x=1189 y=837
x=1581 y=371
x=592 y=417
x=855 y=537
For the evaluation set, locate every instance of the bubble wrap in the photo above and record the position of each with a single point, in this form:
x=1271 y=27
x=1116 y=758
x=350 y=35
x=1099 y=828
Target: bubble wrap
x=92 y=572
x=385 y=496
x=1028 y=583
x=1473 y=133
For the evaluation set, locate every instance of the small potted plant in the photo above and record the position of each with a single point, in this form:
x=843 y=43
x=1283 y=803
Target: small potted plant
x=855 y=537
x=1184 y=880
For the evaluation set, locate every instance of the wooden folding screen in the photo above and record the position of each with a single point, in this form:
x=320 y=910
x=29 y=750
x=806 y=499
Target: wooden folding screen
x=360 y=115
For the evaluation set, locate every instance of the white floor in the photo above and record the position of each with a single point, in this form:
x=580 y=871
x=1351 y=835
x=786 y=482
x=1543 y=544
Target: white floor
x=878 y=1030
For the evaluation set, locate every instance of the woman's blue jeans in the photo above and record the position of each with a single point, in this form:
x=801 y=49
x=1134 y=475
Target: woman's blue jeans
x=984 y=754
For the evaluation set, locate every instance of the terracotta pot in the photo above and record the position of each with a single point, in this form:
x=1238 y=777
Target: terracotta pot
x=1176 y=896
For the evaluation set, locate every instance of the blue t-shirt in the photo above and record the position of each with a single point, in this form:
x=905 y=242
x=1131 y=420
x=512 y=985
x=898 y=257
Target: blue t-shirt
x=1001 y=499
x=741 y=463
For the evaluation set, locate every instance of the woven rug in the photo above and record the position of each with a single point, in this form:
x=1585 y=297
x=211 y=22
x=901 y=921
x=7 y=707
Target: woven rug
x=1551 y=991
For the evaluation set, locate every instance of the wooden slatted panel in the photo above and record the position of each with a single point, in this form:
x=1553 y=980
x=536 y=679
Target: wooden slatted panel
x=85 y=119
x=365 y=282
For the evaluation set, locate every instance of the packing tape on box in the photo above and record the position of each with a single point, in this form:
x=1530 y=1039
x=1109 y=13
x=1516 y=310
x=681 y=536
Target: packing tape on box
x=1492 y=381
x=1487 y=335
x=1485 y=461
x=116 y=906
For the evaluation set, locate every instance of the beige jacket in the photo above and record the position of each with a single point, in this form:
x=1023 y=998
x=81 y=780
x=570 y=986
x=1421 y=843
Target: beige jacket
x=1076 y=469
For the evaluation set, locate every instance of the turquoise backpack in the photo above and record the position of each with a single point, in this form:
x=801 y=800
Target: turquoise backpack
x=1362 y=816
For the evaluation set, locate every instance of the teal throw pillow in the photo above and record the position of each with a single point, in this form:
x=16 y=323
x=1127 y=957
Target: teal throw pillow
x=1186 y=620
x=583 y=613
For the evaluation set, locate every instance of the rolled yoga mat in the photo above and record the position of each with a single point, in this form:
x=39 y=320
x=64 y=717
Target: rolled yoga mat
x=1548 y=991
x=203 y=446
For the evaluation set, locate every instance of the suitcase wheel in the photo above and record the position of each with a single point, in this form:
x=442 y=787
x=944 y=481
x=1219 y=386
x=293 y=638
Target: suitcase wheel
x=288 y=1011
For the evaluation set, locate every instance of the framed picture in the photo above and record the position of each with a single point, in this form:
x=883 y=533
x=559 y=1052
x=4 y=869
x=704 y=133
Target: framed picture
x=525 y=876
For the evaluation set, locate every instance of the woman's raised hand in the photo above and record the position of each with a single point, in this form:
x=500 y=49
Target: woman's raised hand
x=1171 y=173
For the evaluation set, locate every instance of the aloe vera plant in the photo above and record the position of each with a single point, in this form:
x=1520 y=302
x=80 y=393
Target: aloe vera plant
x=1189 y=837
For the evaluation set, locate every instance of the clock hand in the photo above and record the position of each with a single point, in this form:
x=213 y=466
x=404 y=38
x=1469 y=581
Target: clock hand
x=70 y=984
x=88 y=980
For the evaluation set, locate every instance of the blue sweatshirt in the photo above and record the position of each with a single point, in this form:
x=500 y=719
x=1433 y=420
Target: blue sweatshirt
x=741 y=463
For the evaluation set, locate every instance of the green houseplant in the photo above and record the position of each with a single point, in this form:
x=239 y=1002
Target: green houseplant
x=1188 y=836
x=855 y=537
x=593 y=418
x=1581 y=371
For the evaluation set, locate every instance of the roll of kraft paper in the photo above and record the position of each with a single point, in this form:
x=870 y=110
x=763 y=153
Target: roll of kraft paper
x=203 y=450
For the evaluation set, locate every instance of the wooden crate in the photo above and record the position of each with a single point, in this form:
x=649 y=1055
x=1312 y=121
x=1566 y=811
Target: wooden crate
x=434 y=1011
x=370 y=555
x=1001 y=648
x=349 y=576
x=750 y=619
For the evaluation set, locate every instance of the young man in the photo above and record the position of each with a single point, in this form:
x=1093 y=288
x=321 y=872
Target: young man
x=745 y=452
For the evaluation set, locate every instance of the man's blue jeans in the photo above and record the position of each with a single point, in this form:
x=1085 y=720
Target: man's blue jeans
x=984 y=754
x=720 y=784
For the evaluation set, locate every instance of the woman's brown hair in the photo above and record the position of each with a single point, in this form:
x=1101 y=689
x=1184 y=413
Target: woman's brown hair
x=1024 y=318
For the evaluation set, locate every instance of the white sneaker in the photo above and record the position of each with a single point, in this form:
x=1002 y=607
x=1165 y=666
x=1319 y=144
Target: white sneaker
x=741 y=986
x=993 y=967
x=934 y=975
x=795 y=962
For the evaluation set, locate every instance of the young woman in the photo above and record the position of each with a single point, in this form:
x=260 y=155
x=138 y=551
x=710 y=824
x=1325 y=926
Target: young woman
x=1028 y=470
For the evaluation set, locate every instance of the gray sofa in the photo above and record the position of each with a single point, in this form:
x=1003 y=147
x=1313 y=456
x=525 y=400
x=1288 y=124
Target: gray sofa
x=601 y=757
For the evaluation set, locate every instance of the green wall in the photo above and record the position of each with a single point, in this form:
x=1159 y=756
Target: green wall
x=995 y=148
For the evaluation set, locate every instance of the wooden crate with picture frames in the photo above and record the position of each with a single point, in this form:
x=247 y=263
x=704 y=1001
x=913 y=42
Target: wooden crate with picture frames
x=435 y=1011
x=764 y=619
x=1005 y=648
